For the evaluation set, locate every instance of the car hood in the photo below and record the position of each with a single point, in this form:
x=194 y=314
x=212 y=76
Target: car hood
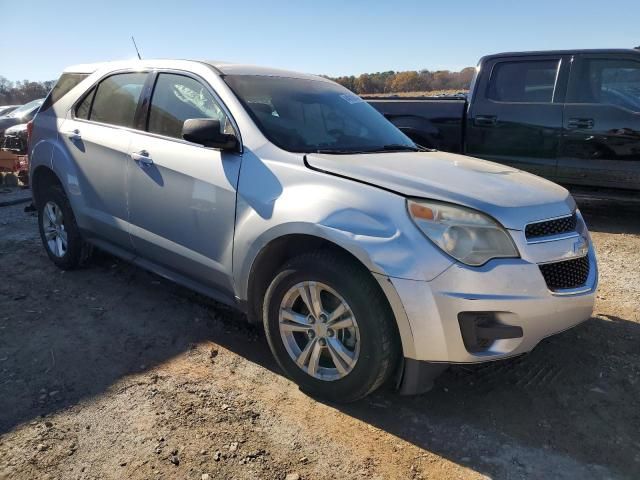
x=511 y=196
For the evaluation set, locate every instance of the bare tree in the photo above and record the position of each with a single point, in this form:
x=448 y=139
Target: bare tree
x=20 y=92
x=409 y=81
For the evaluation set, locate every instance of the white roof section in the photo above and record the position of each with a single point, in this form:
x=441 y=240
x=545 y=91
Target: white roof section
x=246 y=69
x=221 y=67
x=85 y=67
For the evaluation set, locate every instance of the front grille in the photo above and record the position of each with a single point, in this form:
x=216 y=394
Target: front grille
x=551 y=227
x=566 y=274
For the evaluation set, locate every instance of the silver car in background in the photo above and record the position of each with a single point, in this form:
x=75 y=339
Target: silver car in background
x=7 y=109
x=365 y=257
x=20 y=115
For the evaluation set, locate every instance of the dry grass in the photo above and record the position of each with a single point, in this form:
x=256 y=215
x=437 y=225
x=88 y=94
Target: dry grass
x=432 y=93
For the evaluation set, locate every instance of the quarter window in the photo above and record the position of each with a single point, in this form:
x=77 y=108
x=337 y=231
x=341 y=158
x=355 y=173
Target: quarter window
x=83 y=108
x=66 y=82
x=116 y=99
x=607 y=81
x=525 y=81
x=177 y=98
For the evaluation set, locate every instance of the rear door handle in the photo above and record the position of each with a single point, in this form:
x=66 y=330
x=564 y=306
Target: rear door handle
x=485 y=120
x=583 y=123
x=74 y=135
x=142 y=158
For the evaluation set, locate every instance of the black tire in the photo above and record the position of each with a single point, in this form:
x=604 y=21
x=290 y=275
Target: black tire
x=77 y=251
x=379 y=343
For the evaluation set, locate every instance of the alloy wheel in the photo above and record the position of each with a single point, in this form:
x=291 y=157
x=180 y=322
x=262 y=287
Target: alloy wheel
x=54 y=231
x=319 y=331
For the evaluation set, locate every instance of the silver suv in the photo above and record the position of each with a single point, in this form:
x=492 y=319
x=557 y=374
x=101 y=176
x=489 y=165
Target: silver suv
x=364 y=256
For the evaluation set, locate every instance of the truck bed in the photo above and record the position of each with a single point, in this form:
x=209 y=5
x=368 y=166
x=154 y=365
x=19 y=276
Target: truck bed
x=434 y=122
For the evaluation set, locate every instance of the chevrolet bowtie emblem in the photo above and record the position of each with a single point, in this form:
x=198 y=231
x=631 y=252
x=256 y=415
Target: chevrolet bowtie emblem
x=580 y=248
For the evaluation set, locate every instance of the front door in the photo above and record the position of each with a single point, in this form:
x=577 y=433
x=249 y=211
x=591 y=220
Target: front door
x=515 y=116
x=601 y=140
x=182 y=196
x=97 y=136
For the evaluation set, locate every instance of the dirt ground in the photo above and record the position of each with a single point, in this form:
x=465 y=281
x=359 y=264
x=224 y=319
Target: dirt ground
x=111 y=372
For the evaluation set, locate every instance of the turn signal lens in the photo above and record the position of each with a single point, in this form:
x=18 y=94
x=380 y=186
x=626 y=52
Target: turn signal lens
x=420 y=211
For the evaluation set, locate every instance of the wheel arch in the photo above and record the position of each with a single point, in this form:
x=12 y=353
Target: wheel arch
x=41 y=178
x=279 y=250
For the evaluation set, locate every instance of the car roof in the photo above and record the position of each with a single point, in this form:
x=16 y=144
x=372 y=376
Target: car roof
x=218 y=66
x=227 y=68
x=85 y=67
x=593 y=51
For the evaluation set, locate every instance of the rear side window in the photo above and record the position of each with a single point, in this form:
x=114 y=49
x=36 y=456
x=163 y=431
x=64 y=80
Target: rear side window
x=612 y=81
x=84 y=107
x=523 y=81
x=177 y=98
x=65 y=83
x=116 y=99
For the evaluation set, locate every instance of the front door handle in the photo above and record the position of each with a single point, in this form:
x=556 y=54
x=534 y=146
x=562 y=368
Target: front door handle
x=582 y=123
x=74 y=135
x=485 y=120
x=142 y=158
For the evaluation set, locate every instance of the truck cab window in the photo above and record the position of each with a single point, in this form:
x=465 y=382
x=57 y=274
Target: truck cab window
x=523 y=81
x=609 y=81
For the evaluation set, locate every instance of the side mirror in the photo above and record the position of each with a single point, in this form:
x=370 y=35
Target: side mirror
x=206 y=131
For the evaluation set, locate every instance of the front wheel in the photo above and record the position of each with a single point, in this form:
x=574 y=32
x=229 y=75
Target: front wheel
x=329 y=327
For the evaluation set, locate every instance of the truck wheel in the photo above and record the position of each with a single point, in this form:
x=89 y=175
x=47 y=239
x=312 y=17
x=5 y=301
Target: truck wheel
x=329 y=327
x=58 y=230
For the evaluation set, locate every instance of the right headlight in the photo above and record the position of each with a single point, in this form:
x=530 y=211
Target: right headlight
x=467 y=235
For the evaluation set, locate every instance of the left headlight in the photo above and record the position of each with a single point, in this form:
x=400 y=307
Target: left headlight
x=467 y=235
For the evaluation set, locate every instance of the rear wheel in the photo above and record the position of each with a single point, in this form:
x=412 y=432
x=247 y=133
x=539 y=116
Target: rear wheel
x=58 y=230
x=329 y=327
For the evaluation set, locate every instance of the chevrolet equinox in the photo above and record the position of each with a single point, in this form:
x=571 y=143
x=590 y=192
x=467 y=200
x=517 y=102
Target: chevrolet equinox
x=366 y=257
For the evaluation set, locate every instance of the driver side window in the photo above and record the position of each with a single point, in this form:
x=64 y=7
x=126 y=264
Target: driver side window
x=177 y=98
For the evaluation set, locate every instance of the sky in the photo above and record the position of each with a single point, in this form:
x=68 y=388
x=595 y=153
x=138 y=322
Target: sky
x=38 y=39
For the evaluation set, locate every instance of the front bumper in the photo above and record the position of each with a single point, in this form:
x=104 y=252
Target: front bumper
x=512 y=290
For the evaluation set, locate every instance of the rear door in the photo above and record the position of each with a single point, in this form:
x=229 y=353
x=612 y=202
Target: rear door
x=601 y=140
x=515 y=116
x=97 y=135
x=182 y=196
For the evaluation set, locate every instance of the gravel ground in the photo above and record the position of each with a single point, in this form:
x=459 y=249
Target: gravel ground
x=111 y=372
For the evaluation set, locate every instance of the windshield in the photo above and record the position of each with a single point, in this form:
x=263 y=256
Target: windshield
x=302 y=115
x=26 y=108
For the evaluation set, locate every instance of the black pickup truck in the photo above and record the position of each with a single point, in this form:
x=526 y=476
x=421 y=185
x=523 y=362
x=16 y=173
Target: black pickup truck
x=570 y=116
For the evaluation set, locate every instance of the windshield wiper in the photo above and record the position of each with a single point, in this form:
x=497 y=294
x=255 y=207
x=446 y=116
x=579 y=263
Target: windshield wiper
x=340 y=152
x=394 y=147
